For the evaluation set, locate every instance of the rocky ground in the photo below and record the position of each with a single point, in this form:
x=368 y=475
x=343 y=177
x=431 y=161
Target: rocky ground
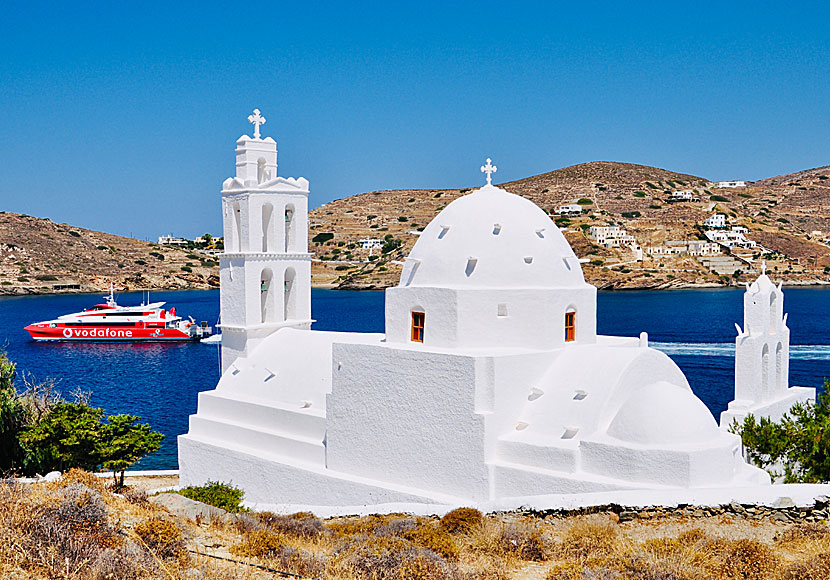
x=78 y=528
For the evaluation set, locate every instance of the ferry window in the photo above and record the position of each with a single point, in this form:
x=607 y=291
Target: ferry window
x=570 y=326
x=417 y=327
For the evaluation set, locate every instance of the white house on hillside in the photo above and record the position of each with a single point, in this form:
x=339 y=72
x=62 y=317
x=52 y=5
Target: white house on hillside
x=489 y=384
x=717 y=220
x=571 y=209
x=730 y=184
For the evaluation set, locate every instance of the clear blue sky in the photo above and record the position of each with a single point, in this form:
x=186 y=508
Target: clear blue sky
x=123 y=116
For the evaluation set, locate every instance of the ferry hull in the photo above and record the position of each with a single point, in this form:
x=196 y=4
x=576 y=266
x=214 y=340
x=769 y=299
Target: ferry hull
x=105 y=334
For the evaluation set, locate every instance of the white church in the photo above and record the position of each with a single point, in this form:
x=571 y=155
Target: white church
x=490 y=382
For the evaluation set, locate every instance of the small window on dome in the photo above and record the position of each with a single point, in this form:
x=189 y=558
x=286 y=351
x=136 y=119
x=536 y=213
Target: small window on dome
x=443 y=232
x=496 y=229
x=570 y=432
x=528 y=259
x=417 y=327
x=567 y=263
x=471 y=265
x=502 y=310
x=541 y=233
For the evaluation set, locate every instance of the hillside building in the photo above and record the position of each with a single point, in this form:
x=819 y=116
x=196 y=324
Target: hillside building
x=571 y=209
x=684 y=195
x=730 y=184
x=717 y=220
x=370 y=244
x=610 y=236
x=490 y=382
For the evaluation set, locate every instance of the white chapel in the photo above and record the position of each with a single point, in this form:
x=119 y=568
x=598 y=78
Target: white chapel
x=489 y=383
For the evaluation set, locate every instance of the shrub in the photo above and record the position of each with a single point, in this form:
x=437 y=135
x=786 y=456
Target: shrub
x=718 y=198
x=74 y=234
x=584 y=201
x=344 y=267
x=630 y=214
x=403 y=218
x=462 y=520
x=322 y=237
x=186 y=269
x=434 y=538
x=639 y=194
x=590 y=536
x=745 y=559
x=162 y=537
x=259 y=544
x=141 y=262
x=102 y=248
x=221 y=495
x=597 y=262
x=46 y=278
x=301 y=524
x=800 y=441
x=524 y=540
x=22 y=279
x=387 y=558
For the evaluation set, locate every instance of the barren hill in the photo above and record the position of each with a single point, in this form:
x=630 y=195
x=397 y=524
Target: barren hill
x=786 y=214
x=39 y=256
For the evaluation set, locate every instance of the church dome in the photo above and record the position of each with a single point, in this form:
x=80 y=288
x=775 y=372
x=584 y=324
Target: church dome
x=492 y=239
x=663 y=414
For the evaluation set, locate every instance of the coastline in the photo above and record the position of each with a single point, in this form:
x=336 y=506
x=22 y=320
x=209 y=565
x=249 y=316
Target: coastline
x=610 y=287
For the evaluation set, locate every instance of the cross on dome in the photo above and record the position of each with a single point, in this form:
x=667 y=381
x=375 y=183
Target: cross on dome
x=763 y=267
x=257 y=120
x=489 y=169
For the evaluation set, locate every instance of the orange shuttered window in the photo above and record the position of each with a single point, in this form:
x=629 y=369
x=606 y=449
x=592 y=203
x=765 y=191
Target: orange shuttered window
x=417 y=327
x=570 y=326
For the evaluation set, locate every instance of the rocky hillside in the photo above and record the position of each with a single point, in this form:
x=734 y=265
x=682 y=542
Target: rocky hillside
x=39 y=256
x=789 y=215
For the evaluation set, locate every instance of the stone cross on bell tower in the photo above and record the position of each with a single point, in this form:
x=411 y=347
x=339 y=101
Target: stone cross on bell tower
x=257 y=120
x=489 y=169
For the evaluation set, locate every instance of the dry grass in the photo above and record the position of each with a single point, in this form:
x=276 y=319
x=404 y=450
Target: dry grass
x=79 y=529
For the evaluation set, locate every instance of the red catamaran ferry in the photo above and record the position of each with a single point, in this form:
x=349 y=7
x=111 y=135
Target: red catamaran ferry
x=111 y=322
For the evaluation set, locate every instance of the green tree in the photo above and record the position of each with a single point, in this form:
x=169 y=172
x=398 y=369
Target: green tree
x=799 y=443
x=12 y=417
x=66 y=437
x=123 y=441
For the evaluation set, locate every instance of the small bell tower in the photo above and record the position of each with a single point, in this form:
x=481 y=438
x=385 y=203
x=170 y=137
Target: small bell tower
x=265 y=270
x=762 y=357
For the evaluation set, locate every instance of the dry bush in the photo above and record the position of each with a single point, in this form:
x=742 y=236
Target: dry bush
x=300 y=525
x=745 y=559
x=591 y=537
x=566 y=571
x=815 y=568
x=135 y=496
x=462 y=520
x=808 y=532
x=85 y=478
x=259 y=544
x=129 y=561
x=434 y=538
x=387 y=558
x=164 y=538
x=524 y=540
x=387 y=525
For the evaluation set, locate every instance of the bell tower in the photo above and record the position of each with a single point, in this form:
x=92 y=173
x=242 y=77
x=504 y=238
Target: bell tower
x=265 y=270
x=762 y=357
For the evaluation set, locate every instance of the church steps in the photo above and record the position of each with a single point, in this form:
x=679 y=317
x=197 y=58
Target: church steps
x=263 y=416
x=258 y=440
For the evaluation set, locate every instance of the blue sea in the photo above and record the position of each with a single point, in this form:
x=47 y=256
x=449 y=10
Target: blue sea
x=160 y=382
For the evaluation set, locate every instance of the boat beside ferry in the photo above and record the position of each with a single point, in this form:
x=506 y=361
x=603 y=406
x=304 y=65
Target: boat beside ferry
x=111 y=322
